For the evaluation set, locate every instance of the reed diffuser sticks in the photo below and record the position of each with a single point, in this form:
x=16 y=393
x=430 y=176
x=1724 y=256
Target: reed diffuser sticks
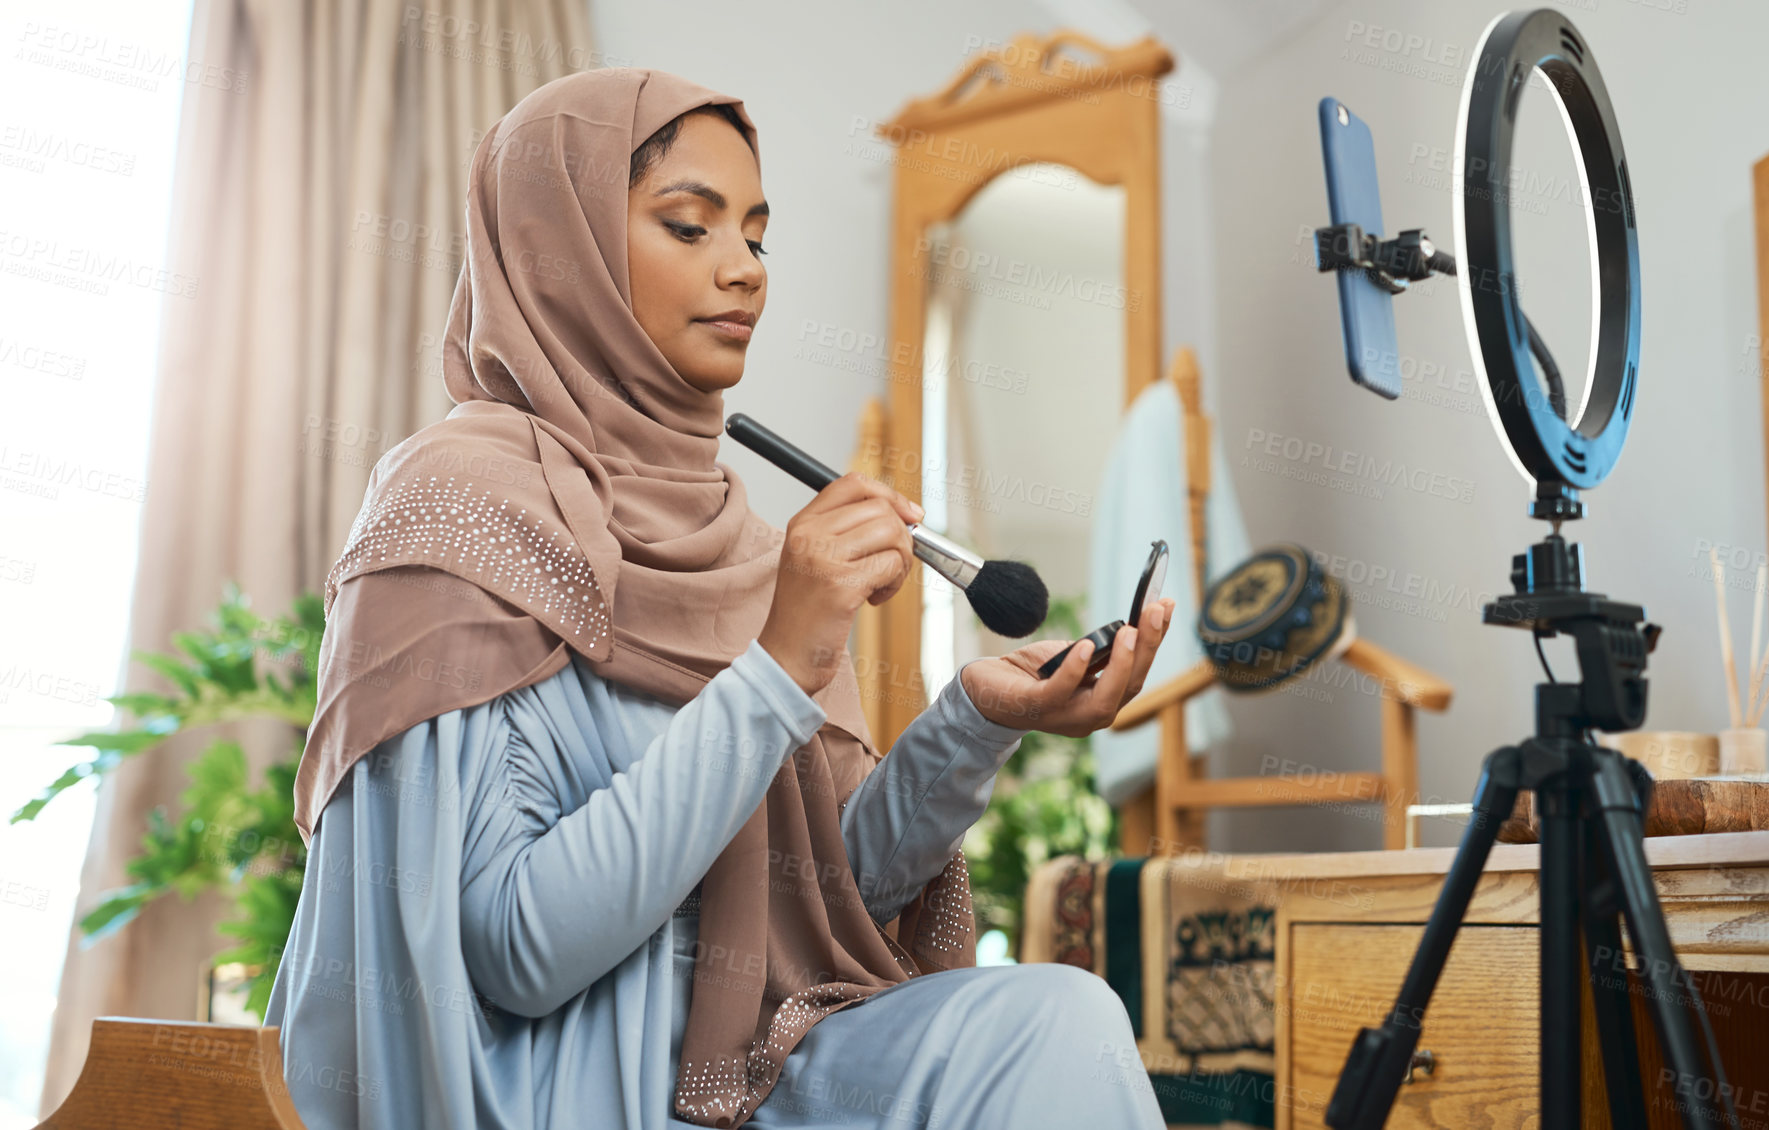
x=1756 y=696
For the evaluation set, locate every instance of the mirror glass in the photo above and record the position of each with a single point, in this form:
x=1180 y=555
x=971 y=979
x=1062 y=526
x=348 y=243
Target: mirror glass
x=1023 y=368
x=1150 y=590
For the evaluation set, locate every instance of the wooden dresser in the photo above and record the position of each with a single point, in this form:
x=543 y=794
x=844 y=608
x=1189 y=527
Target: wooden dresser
x=1348 y=923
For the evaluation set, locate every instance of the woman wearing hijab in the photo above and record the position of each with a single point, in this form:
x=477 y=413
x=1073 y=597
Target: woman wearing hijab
x=597 y=836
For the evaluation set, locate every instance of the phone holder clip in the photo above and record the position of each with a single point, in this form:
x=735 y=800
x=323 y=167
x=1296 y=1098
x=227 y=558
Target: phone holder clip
x=1391 y=264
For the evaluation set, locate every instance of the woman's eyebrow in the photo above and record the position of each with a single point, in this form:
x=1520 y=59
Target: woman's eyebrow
x=707 y=191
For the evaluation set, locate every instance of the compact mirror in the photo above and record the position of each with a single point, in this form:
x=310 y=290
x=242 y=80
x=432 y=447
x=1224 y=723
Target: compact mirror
x=1148 y=587
x=1153 y=576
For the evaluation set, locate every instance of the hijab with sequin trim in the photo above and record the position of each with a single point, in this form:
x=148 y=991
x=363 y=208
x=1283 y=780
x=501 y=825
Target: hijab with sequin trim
x=571 y=502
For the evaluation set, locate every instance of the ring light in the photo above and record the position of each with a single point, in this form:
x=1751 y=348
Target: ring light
x=1549 y=452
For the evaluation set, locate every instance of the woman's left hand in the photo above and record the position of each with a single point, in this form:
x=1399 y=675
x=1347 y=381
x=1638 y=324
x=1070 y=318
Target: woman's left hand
x=1007 y=690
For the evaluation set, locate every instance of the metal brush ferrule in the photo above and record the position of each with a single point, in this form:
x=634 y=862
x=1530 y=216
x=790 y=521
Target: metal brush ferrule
x=945 y=556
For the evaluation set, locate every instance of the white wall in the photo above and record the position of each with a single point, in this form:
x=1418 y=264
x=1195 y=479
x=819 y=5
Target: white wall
x=1690 y=97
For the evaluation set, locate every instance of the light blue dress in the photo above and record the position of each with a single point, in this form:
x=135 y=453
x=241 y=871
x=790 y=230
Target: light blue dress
x=497 y=926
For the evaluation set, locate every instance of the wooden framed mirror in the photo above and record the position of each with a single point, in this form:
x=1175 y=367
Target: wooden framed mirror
x=1025 y=315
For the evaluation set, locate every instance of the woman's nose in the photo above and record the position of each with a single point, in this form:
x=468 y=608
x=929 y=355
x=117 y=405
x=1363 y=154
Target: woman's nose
x=741 y=267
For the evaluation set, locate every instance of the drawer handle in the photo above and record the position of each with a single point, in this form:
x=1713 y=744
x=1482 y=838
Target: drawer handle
x=1423 y=1060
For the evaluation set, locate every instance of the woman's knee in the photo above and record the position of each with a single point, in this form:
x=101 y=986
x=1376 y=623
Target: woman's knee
x=1081 y=1000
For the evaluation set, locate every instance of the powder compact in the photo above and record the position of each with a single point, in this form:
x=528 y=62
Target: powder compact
x=1148 y=587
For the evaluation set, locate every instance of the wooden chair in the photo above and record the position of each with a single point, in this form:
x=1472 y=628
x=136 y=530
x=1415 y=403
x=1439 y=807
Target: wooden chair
x=195 y=1076
x=1168 y=817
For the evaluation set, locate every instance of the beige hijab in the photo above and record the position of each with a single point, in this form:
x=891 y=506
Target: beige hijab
x=571 y=502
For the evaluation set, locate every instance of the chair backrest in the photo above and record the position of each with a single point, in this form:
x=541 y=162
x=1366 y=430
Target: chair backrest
x=1184 y=373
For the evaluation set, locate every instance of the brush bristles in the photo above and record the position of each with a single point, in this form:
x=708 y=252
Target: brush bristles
x=1009 y=598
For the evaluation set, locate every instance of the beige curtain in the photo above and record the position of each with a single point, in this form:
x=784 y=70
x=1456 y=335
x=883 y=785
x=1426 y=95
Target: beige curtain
x=318 y=202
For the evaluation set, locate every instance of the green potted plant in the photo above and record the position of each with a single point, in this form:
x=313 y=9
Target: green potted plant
x=1044 y=804
x=230 y=835
x=239 y=838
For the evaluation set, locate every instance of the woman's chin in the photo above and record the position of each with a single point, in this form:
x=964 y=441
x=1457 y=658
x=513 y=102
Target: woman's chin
x=714 y=376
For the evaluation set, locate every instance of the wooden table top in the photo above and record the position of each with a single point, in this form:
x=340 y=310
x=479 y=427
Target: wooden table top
x=1723 y=849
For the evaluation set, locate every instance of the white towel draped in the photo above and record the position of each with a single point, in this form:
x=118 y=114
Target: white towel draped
x=1142 y=496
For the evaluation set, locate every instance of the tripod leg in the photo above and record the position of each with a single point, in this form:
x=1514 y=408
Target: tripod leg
x=1608 y=973
x=1669 y=986
x=1561 y=964
x=1379 y=1056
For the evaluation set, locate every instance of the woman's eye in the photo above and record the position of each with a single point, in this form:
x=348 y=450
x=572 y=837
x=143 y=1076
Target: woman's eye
x=688 y=233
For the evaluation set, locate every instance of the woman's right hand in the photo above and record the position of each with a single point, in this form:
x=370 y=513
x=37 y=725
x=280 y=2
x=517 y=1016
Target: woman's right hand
x=849 y=545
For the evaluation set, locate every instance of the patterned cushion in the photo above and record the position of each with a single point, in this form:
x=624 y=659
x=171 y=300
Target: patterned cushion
x=1190 y=952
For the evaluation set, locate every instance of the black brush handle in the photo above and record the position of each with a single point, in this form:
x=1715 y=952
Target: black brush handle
x=946 y=557
x=784 y=455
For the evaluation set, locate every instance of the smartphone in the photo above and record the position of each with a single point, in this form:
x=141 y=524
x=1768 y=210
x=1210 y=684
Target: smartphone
x=1366 y=311
x=1148 y=587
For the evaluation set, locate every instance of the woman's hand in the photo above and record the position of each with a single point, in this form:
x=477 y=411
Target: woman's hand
x=849 y=546
x=1008 y=691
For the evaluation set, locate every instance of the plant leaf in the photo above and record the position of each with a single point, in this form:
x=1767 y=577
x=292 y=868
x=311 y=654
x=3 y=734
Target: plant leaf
x=115 y=911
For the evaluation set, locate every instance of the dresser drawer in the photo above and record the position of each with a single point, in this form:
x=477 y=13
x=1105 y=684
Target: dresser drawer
x=1482 y=1024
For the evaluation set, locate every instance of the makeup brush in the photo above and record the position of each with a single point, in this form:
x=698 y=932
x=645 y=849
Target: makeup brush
x=1009 y=597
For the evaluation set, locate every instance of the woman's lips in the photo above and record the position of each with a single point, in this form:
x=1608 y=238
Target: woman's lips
x=733 y=331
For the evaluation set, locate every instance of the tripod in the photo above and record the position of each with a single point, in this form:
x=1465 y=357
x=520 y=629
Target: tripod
x=1591 y=802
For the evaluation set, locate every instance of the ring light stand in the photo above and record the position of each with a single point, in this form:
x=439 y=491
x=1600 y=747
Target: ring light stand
x=1591 y=799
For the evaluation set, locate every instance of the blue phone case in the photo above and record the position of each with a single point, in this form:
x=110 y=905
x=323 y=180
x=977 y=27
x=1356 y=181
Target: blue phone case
x=1366 y=311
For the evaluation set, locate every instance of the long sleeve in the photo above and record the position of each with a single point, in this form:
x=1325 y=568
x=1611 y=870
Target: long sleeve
x=904 y=822
x=552 y=900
